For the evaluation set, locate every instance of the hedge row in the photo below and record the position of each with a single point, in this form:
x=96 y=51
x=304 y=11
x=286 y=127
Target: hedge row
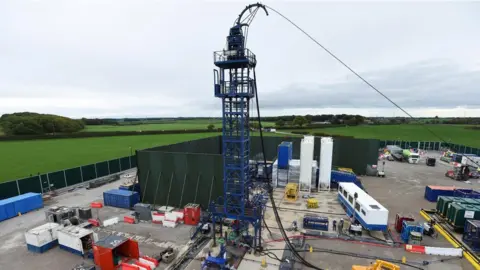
x=104 y=134
x=320 y=134
x=311 y=126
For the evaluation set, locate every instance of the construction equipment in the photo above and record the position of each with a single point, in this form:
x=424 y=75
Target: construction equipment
x=291 y=192
x=378 y=265
x=312 y=203
x=399 y=218
x=235 y=84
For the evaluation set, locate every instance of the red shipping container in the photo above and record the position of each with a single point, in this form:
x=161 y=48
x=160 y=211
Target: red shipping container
x=192 y=213
x=104 y=250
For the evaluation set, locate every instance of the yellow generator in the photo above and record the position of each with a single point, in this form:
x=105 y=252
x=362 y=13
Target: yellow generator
x=291 y=192
x=378 y=265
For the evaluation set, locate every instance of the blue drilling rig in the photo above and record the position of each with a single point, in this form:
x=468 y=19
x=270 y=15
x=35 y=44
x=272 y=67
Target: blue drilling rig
x=235 y=84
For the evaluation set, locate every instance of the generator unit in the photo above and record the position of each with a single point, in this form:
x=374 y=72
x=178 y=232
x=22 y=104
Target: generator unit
x=315 y=222
x=59 y=214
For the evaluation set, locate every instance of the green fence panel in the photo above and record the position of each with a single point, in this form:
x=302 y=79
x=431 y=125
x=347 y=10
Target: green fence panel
x=88 y=172
x=45 y=184
x=8 y=189
x=74 y=176
x=102 y=168
x=125 y=163
x=134 y=161
x=114 y=166
x=30 y=184
x=57 y=179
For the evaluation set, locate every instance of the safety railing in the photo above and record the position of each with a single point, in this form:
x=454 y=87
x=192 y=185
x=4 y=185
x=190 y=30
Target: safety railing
x=234 y=55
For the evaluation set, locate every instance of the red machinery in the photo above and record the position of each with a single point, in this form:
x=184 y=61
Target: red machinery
x=192 y=213
x=109 y=252
x=399 y=218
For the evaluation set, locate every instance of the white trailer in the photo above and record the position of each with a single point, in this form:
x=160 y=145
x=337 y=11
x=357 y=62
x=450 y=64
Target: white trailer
x=76 y=240
x=42 y=238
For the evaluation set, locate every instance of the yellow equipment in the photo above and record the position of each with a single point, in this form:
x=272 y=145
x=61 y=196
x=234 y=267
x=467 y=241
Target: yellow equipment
x=350 y=170
x=312 y=203
x=291 y=192
x=378 y=265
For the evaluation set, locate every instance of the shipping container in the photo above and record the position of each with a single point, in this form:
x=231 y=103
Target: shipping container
x=284 y=154
x=463 y=212
x=23 y=203
x=7 y=210
x=76 y=240
x=109 y=251
x=121 y=198
x=460 y=201
x=42 y=238
x=432 y=192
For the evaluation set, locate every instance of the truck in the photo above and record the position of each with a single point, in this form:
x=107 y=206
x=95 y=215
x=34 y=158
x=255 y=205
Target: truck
x=410 y=156
x=395 y=152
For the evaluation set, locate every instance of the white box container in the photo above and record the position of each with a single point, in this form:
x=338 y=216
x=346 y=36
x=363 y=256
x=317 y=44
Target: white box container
x=76 y=239
x=42 y=238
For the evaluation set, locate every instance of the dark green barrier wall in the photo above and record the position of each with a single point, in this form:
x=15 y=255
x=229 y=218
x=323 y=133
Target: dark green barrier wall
x=179 y=178
x=67 y=177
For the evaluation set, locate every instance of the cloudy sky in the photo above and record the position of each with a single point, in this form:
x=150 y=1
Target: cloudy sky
x=145 y=58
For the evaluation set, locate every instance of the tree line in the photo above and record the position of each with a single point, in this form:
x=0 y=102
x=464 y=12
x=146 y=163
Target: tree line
x=28 y=123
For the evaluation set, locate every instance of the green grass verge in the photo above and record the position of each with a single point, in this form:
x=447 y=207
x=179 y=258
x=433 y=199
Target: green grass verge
x=451 y=133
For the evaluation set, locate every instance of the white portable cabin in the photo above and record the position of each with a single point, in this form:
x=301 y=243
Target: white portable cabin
x=76 y=239
x=371 y=214
x=42 y=238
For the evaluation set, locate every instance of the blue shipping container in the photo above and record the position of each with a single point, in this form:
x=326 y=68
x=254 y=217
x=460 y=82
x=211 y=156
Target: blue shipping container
x=26 y=202
x=432 y=193
x=7 y=210
x=121 y=198
x=284 y=154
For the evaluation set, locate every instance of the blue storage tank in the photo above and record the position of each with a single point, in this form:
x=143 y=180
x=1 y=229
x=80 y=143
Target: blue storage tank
x=284 y=154
x=121 y=198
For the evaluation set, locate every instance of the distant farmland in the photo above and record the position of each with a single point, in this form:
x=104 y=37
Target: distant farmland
x=167 y=125
x=458 y=134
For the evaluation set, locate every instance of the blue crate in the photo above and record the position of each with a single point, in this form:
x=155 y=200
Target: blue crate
x=121 y=198
x=20 y=204
x=315 y=223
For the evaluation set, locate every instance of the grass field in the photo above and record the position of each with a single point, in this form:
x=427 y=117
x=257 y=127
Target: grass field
x=21 y=158
x=451 y=133
x=174 y=125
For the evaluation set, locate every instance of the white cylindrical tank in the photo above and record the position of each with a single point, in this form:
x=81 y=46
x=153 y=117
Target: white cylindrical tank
x=306 y=160
x=76 y=239
x=326 y=152
x=42 y=238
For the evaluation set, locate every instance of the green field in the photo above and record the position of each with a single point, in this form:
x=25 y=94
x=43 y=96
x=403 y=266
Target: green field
x=19 y=159
x=22 y=158
x=170 y=125
x=451 y=133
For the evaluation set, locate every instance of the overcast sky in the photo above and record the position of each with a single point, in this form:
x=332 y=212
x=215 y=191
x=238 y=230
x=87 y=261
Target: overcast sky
x=155 y=58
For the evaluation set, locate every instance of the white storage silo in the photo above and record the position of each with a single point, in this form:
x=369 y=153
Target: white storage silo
x=42 y=238
x=326 y=152
x=306 y=160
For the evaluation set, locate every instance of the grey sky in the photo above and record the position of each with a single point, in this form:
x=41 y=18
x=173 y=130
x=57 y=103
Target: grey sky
x=154 y=58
